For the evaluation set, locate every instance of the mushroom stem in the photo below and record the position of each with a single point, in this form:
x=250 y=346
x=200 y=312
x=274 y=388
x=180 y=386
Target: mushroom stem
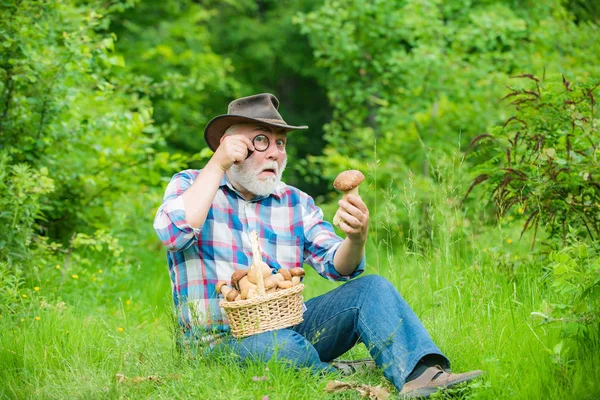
x=232 y=295
x=336 y=218
x=225 y=290
x=271 y=281
x=245 y=286
x=284 y=284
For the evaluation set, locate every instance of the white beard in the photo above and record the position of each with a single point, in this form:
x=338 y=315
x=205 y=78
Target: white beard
x=246 y=174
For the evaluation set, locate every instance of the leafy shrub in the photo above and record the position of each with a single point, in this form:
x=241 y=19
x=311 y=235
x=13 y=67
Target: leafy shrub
x=21 y=188
x=543 y=161
x=70 y=107
x=10 y=282
x=575 y=302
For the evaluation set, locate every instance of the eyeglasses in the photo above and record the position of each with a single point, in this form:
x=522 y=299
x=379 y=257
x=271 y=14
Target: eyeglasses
x=261 y=143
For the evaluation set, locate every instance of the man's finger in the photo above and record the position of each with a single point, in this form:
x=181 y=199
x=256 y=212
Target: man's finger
x=346 y=228
x=349 y=219
x=351 y=209
x=240 y=140
x=247 y=142
x=357 y=202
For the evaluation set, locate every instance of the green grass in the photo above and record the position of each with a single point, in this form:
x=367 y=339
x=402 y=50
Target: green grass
x=474 y=292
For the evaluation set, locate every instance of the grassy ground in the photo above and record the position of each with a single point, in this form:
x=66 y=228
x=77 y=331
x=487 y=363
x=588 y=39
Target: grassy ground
x=472 y=292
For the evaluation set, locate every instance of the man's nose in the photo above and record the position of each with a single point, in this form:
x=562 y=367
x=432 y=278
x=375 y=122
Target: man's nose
x=272 y=152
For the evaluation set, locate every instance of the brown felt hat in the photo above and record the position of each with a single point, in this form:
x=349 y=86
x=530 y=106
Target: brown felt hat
x=257 y=108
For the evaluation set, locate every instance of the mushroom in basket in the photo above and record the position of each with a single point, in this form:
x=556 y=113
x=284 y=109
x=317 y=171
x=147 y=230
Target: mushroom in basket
x=259 y=279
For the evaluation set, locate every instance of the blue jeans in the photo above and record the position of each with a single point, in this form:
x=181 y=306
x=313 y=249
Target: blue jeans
x=368 y=310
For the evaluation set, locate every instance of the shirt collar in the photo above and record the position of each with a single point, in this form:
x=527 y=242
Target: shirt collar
x=277 y=192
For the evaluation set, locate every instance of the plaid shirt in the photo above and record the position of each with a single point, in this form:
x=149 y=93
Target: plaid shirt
x=291 y=231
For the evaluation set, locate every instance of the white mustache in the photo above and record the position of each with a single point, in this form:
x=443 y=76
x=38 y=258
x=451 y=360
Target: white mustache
x=271 y=165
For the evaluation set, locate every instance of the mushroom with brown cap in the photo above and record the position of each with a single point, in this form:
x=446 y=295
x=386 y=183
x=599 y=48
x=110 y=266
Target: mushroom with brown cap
x=347 y=182
x=286 y=274
x=228 y=293
x=237 y=275
x=297 y=273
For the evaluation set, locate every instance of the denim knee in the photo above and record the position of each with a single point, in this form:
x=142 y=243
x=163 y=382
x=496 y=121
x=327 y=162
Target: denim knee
x=283 y=344
x=377 y=282
x=288 y=342
x=375 y=285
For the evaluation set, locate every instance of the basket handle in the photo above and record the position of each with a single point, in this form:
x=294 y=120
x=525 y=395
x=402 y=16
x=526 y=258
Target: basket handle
x=256 y=261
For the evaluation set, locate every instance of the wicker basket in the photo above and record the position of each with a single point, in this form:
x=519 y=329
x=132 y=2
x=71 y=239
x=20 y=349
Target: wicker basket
x=265 y=313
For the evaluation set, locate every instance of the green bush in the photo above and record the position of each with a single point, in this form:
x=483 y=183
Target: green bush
x=543 y=161
x=575 y=299
x=21 y=188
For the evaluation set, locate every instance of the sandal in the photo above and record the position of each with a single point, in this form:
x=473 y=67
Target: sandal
x=433 y=379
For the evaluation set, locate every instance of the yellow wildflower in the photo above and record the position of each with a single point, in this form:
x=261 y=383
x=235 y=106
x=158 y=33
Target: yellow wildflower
x=37 y=289
x=37 y=318
x=75 y=276
x=509 y=241
x=22 y=319
x=128 y=302
x=521 y=210
x=24 y=296
x=120 y=329
x=99 y=271
x=94 y=279
x=57 y=266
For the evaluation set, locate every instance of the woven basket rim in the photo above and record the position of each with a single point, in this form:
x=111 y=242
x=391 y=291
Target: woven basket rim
x=262 y=299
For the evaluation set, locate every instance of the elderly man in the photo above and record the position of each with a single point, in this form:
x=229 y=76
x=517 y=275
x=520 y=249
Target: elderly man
x=205 y=221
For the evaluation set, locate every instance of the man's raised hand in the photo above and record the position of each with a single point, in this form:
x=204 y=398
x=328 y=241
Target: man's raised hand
x=233 y=149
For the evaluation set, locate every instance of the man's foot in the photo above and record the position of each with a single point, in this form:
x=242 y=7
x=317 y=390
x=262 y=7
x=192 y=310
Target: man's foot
x=434 y=379
x=349 y=367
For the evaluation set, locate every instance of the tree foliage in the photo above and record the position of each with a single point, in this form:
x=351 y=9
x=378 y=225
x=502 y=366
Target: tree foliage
x=198 y=57
x=78 y=148
x=65 y=109
x=407 y=78
x=167 y=45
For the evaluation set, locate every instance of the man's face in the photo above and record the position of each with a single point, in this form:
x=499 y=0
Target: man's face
x=260 y=173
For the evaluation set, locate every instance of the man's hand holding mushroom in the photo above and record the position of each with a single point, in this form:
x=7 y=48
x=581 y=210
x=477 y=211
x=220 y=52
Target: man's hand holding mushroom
x=353 y=218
